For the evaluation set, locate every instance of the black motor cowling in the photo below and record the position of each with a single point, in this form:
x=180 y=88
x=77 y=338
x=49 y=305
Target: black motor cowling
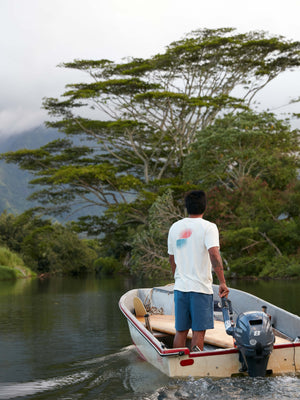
x=253 y=336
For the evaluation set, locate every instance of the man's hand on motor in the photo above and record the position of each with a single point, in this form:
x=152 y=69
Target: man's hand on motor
x=223 y=290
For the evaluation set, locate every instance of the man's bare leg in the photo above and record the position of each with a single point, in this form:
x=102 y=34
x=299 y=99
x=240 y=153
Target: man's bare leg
x=198 y=339
x=180 y=339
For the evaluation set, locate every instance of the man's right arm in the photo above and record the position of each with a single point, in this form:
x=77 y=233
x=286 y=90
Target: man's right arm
x=172 y=263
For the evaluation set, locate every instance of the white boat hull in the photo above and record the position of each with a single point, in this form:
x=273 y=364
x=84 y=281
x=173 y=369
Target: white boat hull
x=285 y=358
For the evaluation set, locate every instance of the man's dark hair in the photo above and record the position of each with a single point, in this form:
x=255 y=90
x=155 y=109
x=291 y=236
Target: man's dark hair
x=195 y=202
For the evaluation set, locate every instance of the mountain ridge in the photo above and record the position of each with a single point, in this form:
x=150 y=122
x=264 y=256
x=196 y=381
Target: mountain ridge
x=14 y=182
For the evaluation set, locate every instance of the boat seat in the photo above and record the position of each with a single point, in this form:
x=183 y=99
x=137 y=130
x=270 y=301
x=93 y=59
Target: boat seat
x=215 y=337
x=166 y=324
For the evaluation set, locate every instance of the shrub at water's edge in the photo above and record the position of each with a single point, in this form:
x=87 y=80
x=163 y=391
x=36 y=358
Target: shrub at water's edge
x=47 y=247
x=12 y=266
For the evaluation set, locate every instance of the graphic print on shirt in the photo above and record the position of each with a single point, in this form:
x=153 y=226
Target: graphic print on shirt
x=184 y=235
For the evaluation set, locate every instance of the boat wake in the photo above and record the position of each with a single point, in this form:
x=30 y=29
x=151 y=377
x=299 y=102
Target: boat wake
x=111 y=375
x=13 y=390
x=124 y=352
x=88 y=373
x=123 y=375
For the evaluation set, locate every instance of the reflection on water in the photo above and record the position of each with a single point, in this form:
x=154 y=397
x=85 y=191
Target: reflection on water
x=66 y=339
x=57 y=321
x=15 y=287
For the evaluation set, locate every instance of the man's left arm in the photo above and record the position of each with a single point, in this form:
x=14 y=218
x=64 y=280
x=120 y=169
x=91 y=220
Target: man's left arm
x=217 y=264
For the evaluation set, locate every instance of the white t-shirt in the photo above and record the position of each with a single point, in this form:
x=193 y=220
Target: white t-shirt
x=189 y=240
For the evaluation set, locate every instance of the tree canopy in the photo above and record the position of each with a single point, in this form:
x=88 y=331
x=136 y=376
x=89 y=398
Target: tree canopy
x=242 y=145
x=145 y=113
x=140 y=119
x=249 y=164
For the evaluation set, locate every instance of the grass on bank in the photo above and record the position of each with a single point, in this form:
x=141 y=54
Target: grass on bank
x=12 y=266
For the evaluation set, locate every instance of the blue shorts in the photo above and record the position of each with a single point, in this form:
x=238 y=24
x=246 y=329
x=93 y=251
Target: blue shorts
x=193 y=310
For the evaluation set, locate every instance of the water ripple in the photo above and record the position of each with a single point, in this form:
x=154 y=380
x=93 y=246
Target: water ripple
x=275 y=388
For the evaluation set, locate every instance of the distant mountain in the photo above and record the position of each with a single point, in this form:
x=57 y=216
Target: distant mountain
x=31 y=139
x=14 y=182
x=14 y=187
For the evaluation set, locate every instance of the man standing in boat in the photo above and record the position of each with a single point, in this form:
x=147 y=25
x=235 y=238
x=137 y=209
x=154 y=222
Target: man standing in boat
x=193 y=247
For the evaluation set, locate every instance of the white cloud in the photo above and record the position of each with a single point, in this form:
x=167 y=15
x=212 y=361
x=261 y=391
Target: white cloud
x=16 y=120
x=38 y=35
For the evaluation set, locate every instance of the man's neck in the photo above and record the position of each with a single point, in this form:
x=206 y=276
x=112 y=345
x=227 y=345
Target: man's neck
x=195 y=215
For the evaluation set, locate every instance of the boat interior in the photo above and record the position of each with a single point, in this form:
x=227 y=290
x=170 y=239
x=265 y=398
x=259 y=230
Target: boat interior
x=154 y=308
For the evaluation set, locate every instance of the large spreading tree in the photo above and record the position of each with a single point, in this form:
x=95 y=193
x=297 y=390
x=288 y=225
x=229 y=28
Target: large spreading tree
x=248 y=163
x=139 y=120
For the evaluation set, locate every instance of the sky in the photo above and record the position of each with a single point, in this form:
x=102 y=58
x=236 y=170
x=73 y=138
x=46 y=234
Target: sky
x=38 y=35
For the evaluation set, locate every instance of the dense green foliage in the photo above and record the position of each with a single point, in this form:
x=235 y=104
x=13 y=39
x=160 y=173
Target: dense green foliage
x=244 y=145
x=160 y=126
x=148 y=255
x=46 y=247
x=249 y=165
x=12 y=266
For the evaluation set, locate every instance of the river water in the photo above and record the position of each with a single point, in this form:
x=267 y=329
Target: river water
x=65 y=339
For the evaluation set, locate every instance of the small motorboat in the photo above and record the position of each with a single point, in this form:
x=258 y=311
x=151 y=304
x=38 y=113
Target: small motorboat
x=250 y=337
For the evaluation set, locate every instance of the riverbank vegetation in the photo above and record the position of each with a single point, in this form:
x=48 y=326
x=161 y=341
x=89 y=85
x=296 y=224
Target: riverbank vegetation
x=12 y=266
x=158 y=127
x=45 y=246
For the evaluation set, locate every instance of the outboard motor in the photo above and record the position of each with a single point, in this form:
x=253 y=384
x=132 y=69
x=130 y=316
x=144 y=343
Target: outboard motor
x=253 y=336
